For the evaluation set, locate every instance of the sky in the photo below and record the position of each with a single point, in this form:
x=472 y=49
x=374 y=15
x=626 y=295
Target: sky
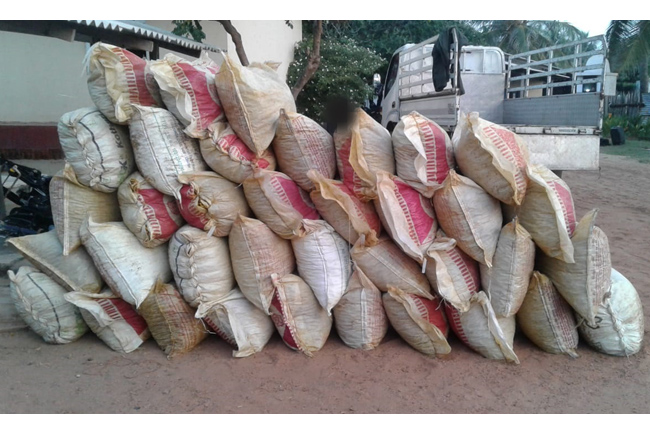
x=595 y=26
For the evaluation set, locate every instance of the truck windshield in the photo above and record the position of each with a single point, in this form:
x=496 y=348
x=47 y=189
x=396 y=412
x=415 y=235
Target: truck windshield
x=391 y=76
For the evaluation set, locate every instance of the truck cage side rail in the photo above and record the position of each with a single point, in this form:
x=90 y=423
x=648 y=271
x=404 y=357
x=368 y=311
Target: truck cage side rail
x=561 y=65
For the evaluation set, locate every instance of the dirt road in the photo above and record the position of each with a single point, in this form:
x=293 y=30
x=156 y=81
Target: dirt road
x=87 y=377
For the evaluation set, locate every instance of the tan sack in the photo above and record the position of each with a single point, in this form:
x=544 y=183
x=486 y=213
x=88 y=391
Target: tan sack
x=114 y=321
x=256 y=253
x=152 y=216
x=252 y=97
x=239 y=322
x=227 y=155
x=424 y=153
x=548 y=213
x=482 y=330
x=406 y=214
x=493 y=157
x=116 y=80
x=420 y=322
x=99 y=152
x=171 y=321
x=162 y=150
x=582 y=284
x=72 y=203
x=74 y=272
x=359 y=316
x=188 y=91
x=387 y=266
x=302 y=323
x=507 y=281
x=210 y=202
x=323 y=259
x=201 y=266
x=127 y=267
x=470 y=215
x=300 y=145
x=42 y=305
x=349 y=216
x=620 y=328
x=453 y=274
x=279 y=202
x=546 y=318
x=362 y=150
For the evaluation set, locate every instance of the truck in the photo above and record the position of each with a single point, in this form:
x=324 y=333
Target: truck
x=553 y=97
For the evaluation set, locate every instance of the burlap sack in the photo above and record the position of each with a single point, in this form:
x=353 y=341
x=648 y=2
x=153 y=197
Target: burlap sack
x=72 y=203
x=99 y=152
x=74 y=272
x=201 y=266
x=582 y=284
x=323 y=259
x=42 y=305
x=424 y=153
x=227 y=155
x=256 y=253
x=470 y=215
x=171 y=321
x=620 y=321
x=387 y=266
x=239 y=322
x=363 y=149
x=407 y=215
x=210 y=202
x=359 y=316
x=420 y=322
x=349 y=216
x=493 y=157
x=300 y=145
x=507 y=281
x=252 y=98
x=302 y=323
x=546 y=318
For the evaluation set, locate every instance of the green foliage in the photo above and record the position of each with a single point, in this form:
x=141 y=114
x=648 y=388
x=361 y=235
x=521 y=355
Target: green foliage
x=346 y=70
x=189 y=29
x=633 y=126
x=635 y=149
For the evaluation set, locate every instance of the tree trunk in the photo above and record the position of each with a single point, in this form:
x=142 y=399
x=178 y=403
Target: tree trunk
x=236 y=39
x=312 y=63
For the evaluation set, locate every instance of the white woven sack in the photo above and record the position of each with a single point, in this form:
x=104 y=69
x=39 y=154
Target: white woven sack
x=128 y=268
x=620 y=322
x=302 y=323
x=256 y=253
x=72 y=203
x=201 y=266
x=252 y=98
x=114 y=321
x=162 y=150
x=359 y=316
x=98 y=151
x=74 y=272
x=42 y=305
x=10 y=320
x=323 y=259
x=506 y=282
x=236 y=320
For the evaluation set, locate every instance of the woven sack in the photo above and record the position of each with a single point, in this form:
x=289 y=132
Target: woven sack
x=359 y=316
x=424 y=153
x=99 y=152
x=10 y=320
x=256 y=253
x=419 y=321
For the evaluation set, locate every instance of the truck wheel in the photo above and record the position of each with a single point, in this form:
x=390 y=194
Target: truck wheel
x=390 y=126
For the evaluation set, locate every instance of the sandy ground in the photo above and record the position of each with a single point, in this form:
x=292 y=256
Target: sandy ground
x=87 y=377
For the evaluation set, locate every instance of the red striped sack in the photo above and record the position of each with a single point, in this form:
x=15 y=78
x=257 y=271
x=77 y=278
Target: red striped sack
x=423 y=153
x=493 y=157
x=188 y=91
x=407 y=215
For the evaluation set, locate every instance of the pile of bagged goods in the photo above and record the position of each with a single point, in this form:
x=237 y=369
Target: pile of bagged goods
x=196 y=201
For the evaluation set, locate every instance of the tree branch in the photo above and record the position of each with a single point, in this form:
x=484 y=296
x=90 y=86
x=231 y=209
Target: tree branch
x=236 y=39
x=312 y=63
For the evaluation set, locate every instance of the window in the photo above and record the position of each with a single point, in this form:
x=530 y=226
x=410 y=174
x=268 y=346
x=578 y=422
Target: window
x=391 y=76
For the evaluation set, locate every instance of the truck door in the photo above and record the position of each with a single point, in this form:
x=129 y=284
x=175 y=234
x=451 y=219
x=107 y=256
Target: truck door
x=390 y=102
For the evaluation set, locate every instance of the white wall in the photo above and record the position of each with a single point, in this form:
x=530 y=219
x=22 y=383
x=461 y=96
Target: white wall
x=40 y=78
